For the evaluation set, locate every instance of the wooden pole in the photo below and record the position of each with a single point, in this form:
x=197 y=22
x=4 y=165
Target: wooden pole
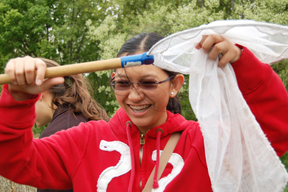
x=73 y=69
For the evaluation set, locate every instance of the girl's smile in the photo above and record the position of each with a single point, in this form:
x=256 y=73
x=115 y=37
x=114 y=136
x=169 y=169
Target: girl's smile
x=139 y=108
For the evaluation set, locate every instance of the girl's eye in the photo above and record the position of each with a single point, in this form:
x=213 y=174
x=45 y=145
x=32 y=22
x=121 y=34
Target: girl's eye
x=148 y=82
x=121 y=85
x=122 y=82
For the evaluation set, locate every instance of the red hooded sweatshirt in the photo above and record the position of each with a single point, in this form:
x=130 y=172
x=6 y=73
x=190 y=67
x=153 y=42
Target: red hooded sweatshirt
x=114 y=156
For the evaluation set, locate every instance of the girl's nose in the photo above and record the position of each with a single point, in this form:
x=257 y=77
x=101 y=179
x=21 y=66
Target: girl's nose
x=135 y=94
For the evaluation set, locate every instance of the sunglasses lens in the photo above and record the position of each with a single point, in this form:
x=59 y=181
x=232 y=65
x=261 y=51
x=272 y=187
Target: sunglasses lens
x=121 y=85
x=148 y=84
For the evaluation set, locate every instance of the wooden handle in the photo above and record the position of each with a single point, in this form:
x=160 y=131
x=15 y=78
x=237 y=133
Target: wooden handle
x=73 y=69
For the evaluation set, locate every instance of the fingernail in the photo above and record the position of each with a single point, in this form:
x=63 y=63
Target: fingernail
x=39 y=82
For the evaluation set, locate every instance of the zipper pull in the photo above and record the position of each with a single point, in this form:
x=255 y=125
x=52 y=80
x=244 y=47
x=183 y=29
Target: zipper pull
x=142 y=140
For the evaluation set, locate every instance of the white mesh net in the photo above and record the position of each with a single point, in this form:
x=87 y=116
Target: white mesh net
x=238 y=155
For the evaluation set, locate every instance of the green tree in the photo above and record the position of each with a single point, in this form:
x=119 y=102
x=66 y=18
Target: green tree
x=49 y=28
x=52 y=29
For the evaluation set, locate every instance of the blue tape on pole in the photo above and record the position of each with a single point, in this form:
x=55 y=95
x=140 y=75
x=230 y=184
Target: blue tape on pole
x=135 y=60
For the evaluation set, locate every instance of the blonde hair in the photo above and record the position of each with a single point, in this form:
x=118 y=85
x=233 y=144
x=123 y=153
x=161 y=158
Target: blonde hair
x=75 y=94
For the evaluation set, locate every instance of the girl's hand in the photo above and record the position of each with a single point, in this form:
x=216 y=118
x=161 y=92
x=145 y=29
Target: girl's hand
x=27 y=75
x=216 y=44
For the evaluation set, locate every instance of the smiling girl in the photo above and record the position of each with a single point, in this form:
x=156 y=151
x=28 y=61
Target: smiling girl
x=120 y=155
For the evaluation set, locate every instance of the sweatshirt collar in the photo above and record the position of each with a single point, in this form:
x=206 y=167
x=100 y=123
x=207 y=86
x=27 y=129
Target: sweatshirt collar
x=173 y=124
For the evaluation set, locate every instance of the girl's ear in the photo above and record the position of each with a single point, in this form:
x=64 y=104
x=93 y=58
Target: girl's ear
x=113 y=74
x=178 y=81
x=41 y=96
x=45 y=95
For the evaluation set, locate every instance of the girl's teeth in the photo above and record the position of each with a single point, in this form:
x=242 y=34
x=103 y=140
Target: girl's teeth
x=139 y=108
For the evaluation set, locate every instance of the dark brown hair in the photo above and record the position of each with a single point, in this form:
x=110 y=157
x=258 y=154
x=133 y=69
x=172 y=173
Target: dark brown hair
x=143 y=42
x=74 y=93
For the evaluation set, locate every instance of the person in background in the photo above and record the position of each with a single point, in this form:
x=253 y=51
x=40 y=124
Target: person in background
x=121 y=154
x=66 y=105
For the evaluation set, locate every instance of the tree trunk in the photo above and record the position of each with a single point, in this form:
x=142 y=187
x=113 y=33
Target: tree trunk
x=201 y=3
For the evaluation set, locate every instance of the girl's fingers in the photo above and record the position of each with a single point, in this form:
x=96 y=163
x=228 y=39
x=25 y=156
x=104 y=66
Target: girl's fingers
x=33 y=65
x=217 y=49
x=216 y=45
x=29 y=70
x=199 y=46
x=28 y=76
x=46 y=84
x=19 y=72
x=210 y=40
x=224 y=60
x=41 y=70
x=10 y=70
x=34 y=89
x=231 y=55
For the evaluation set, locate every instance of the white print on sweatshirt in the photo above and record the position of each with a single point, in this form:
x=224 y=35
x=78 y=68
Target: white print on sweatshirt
x=124 y=166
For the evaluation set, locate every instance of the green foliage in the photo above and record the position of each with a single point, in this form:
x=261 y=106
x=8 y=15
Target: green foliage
x=23 y=23
x=49 y=28
x=187 y=111
x=38 y=130
x=52 y=29
x=284 y=160
x=281 y=68
x=102 y=91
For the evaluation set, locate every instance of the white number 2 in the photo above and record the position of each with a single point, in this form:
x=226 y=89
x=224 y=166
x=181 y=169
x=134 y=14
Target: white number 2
x=177 y=162
x=124 y=166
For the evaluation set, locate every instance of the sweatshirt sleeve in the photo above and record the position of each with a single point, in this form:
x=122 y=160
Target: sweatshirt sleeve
x=42 y=163
x=266 y=96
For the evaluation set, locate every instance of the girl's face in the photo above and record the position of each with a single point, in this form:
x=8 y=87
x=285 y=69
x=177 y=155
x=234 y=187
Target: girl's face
x=146 y=108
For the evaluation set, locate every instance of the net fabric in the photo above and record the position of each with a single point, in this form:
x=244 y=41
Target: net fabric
x=238 y=155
